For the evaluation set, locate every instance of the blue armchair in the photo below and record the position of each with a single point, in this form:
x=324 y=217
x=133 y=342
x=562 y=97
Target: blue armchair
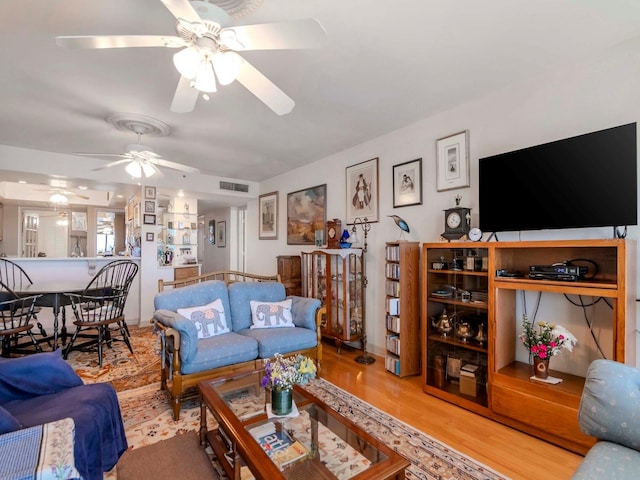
x=42 y=388
x=610 y=411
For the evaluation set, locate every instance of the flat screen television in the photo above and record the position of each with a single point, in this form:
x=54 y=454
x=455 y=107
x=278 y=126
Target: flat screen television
x=585 y=181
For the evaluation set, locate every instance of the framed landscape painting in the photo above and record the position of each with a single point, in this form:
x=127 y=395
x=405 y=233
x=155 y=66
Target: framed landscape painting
x=306 y=213
x=362 y=191
x=268 y=216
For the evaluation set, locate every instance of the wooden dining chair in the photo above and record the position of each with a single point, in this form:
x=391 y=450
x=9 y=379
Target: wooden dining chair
x=99 y=309
x=13 y=278
x=16 y=323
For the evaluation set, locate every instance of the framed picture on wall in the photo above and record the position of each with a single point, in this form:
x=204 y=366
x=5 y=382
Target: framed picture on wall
x=362 y=191
x=407 y=183
x=452 y=161
x=306 y=213
x=150 y=193
x=149 y=236
x=212 y=232
x=221 y=233
x=149 y=206
x=79 y=221
x=149 y=219
x=268 y=216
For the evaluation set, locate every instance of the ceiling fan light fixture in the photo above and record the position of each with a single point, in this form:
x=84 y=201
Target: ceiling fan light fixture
x=134 y=169
x=187 y=61
x=58 y=198
x=148 y=169
x=205 y=79
x=227 y=66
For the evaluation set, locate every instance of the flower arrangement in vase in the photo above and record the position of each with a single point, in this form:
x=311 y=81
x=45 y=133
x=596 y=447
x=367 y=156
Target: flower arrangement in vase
x=281 y=374
x=544 y=342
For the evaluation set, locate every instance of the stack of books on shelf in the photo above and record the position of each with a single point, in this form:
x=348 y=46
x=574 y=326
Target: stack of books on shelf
x=393 y=323
x=393 y=288
x=392 y=363
x=278 y=444
x=393 y=344
x=392 y=253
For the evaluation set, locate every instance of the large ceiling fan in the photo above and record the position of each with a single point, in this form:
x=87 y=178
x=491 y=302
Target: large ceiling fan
x=209 y=45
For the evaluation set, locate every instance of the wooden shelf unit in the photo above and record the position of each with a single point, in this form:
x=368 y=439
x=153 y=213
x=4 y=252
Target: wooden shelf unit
x=290 y=271
x=402 y=267
x=548 y=411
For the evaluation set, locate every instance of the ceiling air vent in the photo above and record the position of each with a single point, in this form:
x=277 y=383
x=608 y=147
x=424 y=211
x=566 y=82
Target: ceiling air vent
x=236 y=187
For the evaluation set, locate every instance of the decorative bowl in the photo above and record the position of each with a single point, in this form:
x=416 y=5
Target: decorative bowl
x=345 y=244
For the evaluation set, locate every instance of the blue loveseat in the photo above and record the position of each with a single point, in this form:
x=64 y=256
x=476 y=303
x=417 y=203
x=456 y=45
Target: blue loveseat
x=41 y=389
x=610 y=411
x=188 y=359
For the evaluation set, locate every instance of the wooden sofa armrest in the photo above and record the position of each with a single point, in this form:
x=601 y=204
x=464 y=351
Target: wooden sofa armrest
x=171 y=343
x=228 y=276
x=320 y=315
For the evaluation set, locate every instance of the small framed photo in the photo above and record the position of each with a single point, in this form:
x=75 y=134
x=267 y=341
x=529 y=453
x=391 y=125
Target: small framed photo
x=407 y=183
x=150 y=193
x=79 y=221
x=149 y=236
x=452 y=154
x=268 y=216
x=149 y=219
x=212 y=232
x=221 y=228
x=149 y=206
x=362 y=191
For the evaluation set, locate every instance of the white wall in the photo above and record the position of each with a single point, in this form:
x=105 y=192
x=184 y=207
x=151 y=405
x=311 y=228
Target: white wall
x=215 y=257
x=599 y=93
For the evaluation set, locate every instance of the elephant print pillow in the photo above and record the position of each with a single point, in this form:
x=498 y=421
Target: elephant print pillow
x=271 y=314
x=208 y=319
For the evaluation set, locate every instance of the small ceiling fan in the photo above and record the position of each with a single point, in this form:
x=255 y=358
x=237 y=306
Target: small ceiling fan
x=61 y=195
x=140 y=159
x=209 y=45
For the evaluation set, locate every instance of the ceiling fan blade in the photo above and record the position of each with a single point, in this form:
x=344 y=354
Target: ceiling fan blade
x=112 y=164
x=185 y=98
x=102 y=155
x=264 y=89
x=175 y=166
x=120 y=41
x=182 y=10
x=84 y=197
x=277 y=35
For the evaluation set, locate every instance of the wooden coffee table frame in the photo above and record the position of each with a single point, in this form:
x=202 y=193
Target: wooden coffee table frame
x=246 y=449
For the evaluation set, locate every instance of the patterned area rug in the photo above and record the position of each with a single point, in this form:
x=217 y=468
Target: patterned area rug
x=120 y=367
x=148 y=418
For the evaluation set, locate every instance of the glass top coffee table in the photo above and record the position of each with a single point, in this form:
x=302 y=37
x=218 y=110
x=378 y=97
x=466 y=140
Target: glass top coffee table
x=326 y=445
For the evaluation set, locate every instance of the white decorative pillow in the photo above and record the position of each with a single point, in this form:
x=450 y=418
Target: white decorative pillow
x=209 y=319
x=271 y=314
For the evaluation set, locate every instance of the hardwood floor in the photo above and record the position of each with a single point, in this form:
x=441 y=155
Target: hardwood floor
x=512 y=453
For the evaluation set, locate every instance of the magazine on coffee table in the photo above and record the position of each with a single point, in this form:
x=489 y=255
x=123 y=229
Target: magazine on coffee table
x=278 y=444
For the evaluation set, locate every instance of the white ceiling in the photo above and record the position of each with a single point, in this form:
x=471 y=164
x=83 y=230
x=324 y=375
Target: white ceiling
x=385 y=65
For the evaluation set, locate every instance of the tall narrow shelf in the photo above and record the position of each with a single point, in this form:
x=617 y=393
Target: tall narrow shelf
x=505 y=390
x=402 y=266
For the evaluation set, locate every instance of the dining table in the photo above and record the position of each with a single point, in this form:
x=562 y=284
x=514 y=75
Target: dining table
x=52 y=295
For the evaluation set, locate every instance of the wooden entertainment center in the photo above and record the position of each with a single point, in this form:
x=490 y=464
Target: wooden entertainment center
x=470 y=328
